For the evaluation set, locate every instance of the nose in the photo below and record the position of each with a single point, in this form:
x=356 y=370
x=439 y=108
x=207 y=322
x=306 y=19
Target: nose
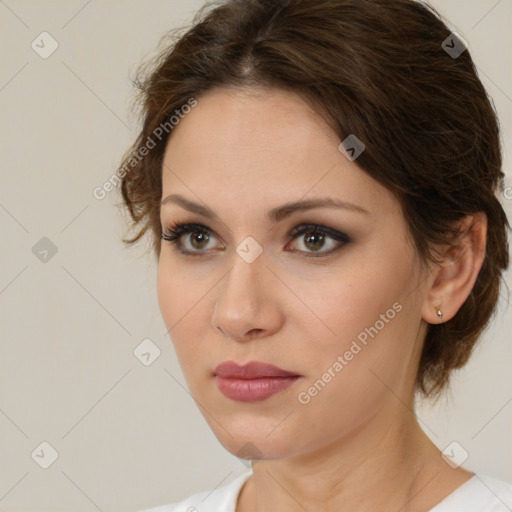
x=247 y=305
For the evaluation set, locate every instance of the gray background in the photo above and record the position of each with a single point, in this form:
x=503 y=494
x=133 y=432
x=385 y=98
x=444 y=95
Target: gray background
x=128 y=436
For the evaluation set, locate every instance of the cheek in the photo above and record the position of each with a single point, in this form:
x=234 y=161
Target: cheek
x=347 y=301
x=179 y=291
x=365 y=315
x=167 y=283
x=176 y=299
x=183 y=298
x=350 y=374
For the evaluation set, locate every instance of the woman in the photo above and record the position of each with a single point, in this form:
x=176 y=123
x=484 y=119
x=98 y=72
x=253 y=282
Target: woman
x=320 y=179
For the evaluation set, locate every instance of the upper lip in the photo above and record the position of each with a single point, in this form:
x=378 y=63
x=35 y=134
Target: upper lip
x=251 y=370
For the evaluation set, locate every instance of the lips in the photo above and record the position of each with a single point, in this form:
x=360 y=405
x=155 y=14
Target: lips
x=252 y=382
x=251 y=370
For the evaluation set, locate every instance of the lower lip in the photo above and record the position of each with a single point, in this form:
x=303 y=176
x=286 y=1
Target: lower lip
x=253 y=390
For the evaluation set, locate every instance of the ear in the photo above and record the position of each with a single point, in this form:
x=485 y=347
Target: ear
x=454 y=277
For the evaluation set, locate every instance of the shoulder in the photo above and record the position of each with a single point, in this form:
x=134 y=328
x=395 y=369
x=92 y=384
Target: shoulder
x=481 y=493
x=221 y=499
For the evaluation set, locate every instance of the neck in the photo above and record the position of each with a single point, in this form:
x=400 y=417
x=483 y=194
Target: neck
x=388 y=465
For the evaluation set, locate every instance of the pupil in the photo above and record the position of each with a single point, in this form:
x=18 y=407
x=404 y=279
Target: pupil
x=203 y=239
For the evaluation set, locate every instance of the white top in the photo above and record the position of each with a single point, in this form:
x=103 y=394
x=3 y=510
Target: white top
x=480 y=493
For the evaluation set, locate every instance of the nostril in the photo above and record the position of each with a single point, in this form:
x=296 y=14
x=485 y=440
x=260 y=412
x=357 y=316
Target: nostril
x=254 y=332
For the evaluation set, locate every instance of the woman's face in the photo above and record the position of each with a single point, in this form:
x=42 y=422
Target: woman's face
x=339 y=310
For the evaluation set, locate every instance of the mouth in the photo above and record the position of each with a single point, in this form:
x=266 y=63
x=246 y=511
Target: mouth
x=252 y=382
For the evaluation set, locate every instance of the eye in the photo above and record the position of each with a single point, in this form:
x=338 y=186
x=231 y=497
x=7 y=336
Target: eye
x=197 y=240
x=314 y=239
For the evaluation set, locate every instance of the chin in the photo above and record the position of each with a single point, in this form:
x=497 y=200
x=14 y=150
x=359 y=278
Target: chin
x=255 y=443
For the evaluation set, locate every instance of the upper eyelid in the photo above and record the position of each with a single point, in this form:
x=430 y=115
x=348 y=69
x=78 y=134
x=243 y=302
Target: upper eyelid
x=190 y=226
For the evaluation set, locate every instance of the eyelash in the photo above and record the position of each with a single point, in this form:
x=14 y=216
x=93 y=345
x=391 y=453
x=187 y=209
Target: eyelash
x=176 y=231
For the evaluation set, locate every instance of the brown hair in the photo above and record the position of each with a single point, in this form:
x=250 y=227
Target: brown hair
x=378 y=70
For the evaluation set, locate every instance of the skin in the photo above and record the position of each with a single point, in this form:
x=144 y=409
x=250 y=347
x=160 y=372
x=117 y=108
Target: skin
x=356 y=445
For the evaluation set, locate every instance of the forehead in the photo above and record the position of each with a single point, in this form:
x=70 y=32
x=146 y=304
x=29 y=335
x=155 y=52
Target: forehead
x=270 y=121
x=240 y=144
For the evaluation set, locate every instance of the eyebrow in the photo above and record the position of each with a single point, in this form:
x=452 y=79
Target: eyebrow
x=274 y=215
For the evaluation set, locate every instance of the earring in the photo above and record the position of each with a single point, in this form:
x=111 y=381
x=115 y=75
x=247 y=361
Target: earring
x=440 y=314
